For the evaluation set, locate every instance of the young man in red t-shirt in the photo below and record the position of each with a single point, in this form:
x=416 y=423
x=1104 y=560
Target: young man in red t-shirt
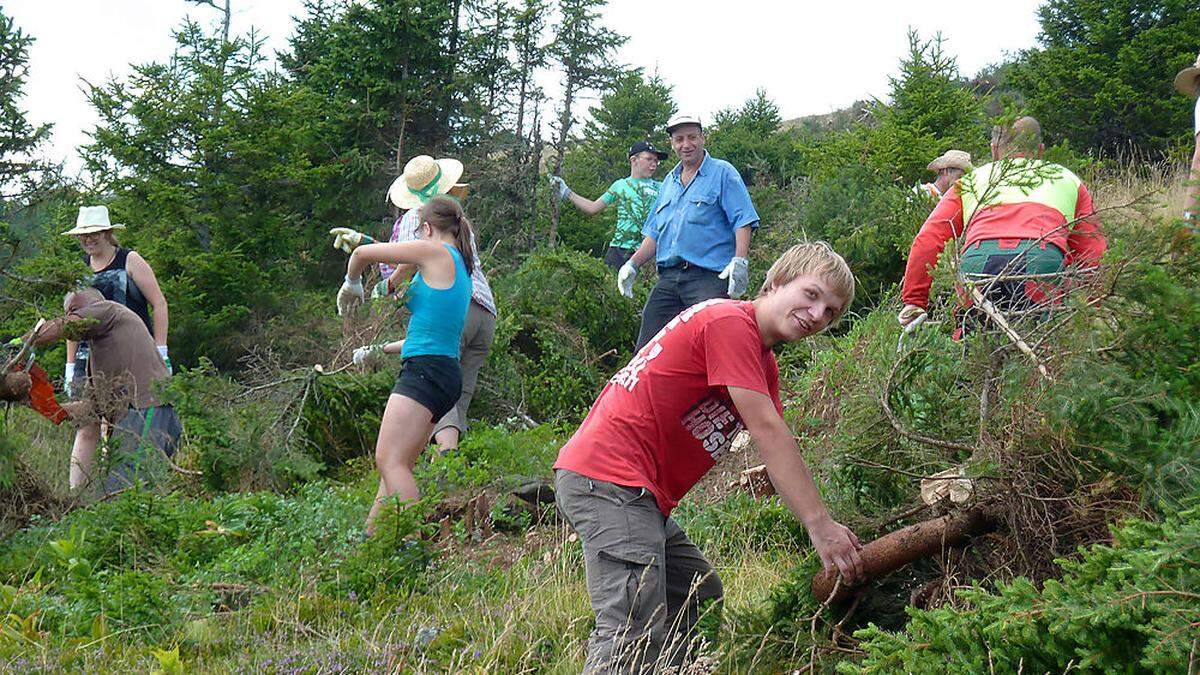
x=659 y=425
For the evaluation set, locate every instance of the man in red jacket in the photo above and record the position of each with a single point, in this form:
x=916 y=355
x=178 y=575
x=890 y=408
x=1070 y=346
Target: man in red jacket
x=659 y=425
x=1022 y=216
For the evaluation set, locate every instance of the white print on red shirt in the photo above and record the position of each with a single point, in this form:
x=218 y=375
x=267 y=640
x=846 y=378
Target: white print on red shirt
x=628 y=376
x=713 y=424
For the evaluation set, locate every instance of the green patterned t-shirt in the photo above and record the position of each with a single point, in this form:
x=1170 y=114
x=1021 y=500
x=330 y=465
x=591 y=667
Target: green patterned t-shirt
x=634 y=198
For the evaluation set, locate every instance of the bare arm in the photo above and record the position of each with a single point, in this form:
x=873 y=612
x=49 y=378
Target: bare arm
x=51 y=331
x=741 y=241
x=401 y=274
x=836 y=544
x=588 y=206
x=1192 y=201
x=645 y=252
x=421 y=253
x=393 y=347
x=144 y=277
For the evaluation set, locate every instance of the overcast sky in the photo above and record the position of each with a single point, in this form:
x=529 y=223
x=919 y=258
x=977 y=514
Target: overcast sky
x=810 y=57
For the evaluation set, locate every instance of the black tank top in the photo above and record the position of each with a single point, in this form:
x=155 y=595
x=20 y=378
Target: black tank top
x=115 y=284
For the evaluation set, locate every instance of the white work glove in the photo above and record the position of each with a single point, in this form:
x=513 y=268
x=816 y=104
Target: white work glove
x=380 y=290
x=561 y=191
x=1193 y=223
x=368 y=356
x=162 y=351
x=347 y=239
x=349 y=295
x=625 y=278
x=738 y=274
x=68 y=376
x=909 y=314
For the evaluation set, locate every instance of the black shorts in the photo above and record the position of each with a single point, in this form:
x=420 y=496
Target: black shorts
x=616 y=257
x=433 y=381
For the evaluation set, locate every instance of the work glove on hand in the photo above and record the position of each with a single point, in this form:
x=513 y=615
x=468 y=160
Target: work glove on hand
x=561 y=191
x=68 y=376
x=368 y=356
x=738 y=274
x=625 y=278
x=349 y=295
x=162 y=351
x=348 y=239
x=1192 y=221
x=381 y=290
x=909 y=314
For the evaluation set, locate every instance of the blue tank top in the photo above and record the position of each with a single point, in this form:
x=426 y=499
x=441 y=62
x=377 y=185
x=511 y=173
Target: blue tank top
x=436 y=325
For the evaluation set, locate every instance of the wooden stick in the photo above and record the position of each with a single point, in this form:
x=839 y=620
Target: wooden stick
x=893 y=551
x=998 y=318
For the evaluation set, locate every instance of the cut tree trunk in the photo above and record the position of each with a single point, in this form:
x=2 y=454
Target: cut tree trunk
x=893 y=551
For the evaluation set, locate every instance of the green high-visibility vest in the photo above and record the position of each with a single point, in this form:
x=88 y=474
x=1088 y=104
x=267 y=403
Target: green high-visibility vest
x=1019 y=181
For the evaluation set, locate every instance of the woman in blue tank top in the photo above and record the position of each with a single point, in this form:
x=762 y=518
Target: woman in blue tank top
x=430 y=378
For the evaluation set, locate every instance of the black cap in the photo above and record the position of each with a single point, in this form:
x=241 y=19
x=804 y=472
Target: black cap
x=645 y=146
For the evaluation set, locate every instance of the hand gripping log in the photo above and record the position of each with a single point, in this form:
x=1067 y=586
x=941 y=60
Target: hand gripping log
x=897 y=549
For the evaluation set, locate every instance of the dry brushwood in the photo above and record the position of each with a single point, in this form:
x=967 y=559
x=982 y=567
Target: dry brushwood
x=893 y=551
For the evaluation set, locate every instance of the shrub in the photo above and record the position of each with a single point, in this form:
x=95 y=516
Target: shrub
x=1129 y=607
x=563 y=329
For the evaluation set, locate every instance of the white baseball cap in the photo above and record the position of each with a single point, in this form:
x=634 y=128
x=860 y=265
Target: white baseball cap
x=682 y=119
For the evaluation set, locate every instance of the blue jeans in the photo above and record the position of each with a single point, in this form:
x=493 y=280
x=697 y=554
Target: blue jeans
x=678 y=288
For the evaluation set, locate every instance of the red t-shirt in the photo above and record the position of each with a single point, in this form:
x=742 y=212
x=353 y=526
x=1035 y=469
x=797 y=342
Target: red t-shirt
x=665 y=418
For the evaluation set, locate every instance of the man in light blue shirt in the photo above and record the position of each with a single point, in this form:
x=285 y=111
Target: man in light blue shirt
x=698 y=232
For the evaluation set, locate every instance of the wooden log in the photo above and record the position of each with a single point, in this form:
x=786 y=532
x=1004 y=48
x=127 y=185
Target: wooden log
x=897 y=549
x=15 y=386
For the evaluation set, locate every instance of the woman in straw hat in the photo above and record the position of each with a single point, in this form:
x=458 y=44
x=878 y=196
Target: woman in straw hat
x=1187 y=81
x=423 y=178
x=430 y=380
x=123 y=276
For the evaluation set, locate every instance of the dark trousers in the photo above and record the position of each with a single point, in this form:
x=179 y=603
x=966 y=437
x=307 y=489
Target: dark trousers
x=136 y=443
x=614 y=257
x=678 y=288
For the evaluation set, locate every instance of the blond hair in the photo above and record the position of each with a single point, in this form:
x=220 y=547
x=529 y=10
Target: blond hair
x=818 y=259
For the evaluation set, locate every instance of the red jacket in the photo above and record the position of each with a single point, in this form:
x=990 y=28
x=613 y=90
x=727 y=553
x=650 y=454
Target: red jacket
x=1082 y=243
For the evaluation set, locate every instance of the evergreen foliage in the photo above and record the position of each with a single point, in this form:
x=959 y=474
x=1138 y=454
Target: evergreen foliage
x=1102 y=77
x=19 y=138
x=1127 y=607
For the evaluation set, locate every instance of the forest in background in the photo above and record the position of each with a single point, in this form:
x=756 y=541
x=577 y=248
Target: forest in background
x=230 y=173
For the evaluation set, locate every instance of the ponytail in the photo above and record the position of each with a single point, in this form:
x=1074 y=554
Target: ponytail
x=446 y=215
x=465 y=240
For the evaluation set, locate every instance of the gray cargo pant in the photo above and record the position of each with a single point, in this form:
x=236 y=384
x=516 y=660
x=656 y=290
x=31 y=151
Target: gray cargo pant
x=478 y=332
x=646 y=580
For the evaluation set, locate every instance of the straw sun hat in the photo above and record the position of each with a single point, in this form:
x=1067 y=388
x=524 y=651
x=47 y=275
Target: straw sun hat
x=423 y=178
x=92 y=219
x=1185 y=81
x=952 y=159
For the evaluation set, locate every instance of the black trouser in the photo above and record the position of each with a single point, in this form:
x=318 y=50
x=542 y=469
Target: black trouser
x=678 y=288
x=615 y=257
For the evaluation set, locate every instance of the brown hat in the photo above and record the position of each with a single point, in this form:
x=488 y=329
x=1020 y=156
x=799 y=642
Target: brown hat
x=952 y=159
x=1185 y=81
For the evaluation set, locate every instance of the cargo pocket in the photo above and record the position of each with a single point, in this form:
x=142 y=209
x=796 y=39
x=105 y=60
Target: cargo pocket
x=634 y=589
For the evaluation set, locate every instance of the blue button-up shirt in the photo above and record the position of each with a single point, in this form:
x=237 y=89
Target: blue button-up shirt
x=696 y=224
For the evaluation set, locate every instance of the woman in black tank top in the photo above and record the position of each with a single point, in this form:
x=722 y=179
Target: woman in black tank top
x=122 y=276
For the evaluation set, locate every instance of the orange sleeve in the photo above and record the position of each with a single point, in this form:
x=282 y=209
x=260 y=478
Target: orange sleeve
x=944 y=223
x=1085 y=243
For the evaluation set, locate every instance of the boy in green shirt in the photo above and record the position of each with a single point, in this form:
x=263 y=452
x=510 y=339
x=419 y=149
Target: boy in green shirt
x=634 y=196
